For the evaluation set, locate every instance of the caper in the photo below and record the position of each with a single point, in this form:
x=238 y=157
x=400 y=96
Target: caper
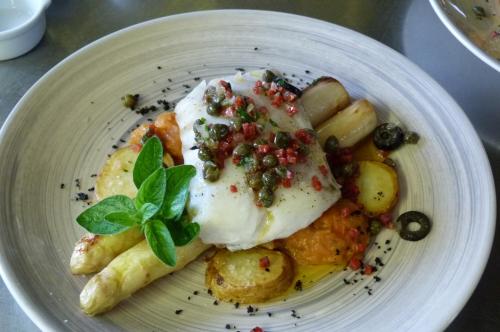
x=287 y=86
x=375 y=227
x=254 y=180
x=413 y=225
x=331 y=144
x=388 y=136
x=266 y=197
x=251 y=164
x=268 y=76
x=269 y=161
x=213 y=109
x=269 y=179
x=411 y=137
x=282 y=139
x=204 y=153
x=210 y=171
x=218 y=131
x=130 y=101
x=236 y=124
x=281 y=171
x=242 y=150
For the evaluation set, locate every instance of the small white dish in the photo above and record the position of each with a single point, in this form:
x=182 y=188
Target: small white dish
x=475 y=24
x=22 y=25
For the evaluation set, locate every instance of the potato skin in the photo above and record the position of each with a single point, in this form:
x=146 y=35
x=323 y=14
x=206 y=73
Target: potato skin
x=239 y=276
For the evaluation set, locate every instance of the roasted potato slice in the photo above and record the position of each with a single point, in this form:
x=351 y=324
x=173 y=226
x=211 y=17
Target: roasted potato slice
x=378 y=187
x=366 y=150
x=350 y=125
x=249 y=276
x=322 y=99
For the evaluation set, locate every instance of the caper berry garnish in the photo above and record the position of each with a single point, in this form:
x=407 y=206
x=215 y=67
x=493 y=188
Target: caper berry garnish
x=388 y=136
x=254 y=180
x=269 y=179
x=269 y=161
x=130 y=101
x=375 y=226
x=242 y=150
x=218 y=131
x=287 y=86
x=251 y=164
x=411 y=137
x=331 y=144
x=210 y=171
x=281 y=171
x=268 y=76
x=236 y=124
x=204 y=153
x=413 y=225
x=266 y=197
x=213 y=109
x=282 y=139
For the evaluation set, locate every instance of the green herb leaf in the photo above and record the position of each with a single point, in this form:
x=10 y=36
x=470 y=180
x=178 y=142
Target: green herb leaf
x=149 y=160
x=183 y=232
x=244 y=115
x=152 y=190
x=178 y=179
x=94 y=218
x=125 y=219
x=148 y=211
x=160 y=241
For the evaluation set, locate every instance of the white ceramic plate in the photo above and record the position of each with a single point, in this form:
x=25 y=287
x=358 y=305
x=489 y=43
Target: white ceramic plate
x=480 y=35
x=68 y=121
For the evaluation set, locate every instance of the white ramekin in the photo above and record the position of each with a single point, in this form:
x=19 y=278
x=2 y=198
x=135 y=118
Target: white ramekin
x=17 y=40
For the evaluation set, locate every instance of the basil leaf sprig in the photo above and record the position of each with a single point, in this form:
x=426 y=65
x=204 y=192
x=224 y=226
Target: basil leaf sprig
x=158 y=209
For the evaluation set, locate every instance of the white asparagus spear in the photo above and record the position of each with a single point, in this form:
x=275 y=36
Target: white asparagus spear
x=129 y=272
x=350 y=125
x=93 y=252
x=325 y=97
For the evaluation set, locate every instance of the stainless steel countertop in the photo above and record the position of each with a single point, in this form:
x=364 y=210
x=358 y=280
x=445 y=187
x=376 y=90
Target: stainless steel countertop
x=409 y=26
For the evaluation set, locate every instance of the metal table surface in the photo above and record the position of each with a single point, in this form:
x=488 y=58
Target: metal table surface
x=409 y=26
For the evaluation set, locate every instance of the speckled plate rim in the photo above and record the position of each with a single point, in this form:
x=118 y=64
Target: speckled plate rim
x=462 y=38
x=45 y=323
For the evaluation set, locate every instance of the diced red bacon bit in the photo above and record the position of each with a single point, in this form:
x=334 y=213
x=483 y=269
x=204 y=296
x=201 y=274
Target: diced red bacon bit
x=494 y=34
x=225 y=85
x=258 y=90
x=350 y=190
x=225 y=147
x=258 y=84
x=353 y=233
x=264 y=262
x=343 y=156
x=385 y=219
x=368 y=270
x=361 y=248
x=316 y=183
x=263 y=110
x=292 y=110
x=236 y=160
x=239 y=101
x=238 y=138
x=229 y=112
x=249 y=130
x=280 y=153
x=136 y=147
x=233 y=188
x=257 y=329
x=287 y=183
x=277 y=101
x=228 y=94
x=291 y=159
x=323 y=169
x=355 y=263
x=304 y=136
x=289 y=96
x=283 y=161
x=263 y=149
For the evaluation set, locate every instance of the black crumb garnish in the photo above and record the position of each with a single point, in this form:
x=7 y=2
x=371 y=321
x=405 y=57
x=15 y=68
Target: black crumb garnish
x=82 y=197
x=269 y=314
x=186 y=86
x=298 y=286
x=307 y=71
x=93 y=175
x=77 y=183
x=209 y=291
x=378 y=261
x=194 y=147
x=146 y=109
x=164 y=104
x=169 y=79
x=195 y=292
x=196 y=78
x=91 y=102
x=159 y=67
x=216 y=302
x=239 y=69
x=62 y=185
x=189 y=298
x=267 y=269
x=91 y=189
x=387 y=241
x=228 y=326
x=347 y=282
x=377 y=278
x=250 y=309
x=178 y=311
x=294 y=314
x=337 y=252
x=255 y=48
x=122 y=140
x=163 y=90
x=114 y=146
x=370 y=292
x=237 y=305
